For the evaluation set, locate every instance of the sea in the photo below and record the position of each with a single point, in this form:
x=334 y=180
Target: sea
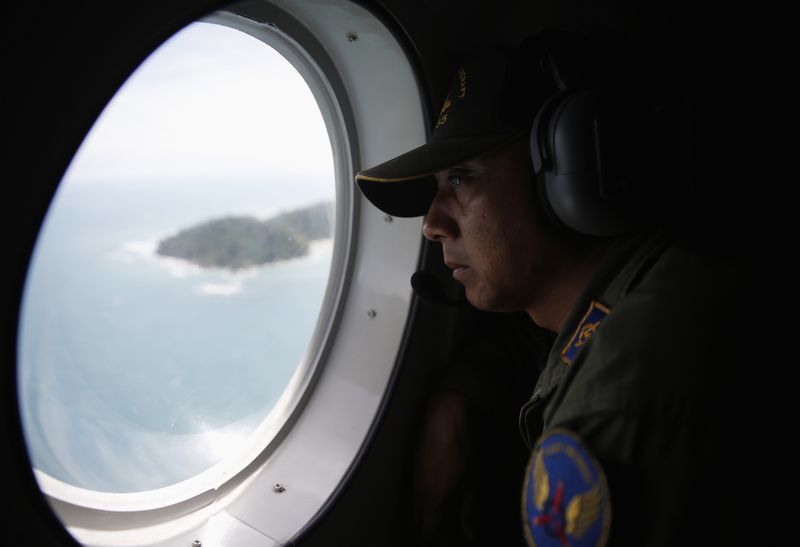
x=138 y=371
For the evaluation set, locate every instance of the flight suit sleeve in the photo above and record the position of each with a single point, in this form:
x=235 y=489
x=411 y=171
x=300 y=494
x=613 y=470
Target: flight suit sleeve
x=669 y=482
x=651 y=398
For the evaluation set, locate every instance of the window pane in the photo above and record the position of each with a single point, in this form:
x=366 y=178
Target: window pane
x=180 y=271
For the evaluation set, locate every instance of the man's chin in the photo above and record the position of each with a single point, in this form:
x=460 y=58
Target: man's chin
x=485 y=301
x=480 y=300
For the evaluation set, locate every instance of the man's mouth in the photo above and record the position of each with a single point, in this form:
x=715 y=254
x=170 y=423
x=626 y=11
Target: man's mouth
x=458 y=269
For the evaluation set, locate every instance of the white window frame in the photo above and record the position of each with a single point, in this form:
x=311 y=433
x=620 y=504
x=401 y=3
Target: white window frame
x=373 y=110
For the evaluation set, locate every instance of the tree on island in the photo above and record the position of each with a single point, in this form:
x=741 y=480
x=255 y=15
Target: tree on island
x=241 y=242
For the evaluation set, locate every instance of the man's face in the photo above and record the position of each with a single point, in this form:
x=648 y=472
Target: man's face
x=491 y=233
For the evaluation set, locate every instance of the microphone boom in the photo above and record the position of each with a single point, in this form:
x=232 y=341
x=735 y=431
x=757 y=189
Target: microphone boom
x=430 y=289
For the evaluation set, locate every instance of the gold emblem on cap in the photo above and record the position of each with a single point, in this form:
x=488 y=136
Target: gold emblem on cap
x=443 y=115
x=462 y=92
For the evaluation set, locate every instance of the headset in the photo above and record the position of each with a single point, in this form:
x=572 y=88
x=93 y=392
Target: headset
x=594 y=144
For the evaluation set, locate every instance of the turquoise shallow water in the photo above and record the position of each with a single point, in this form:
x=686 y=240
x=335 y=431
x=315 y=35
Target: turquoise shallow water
x=138 y=371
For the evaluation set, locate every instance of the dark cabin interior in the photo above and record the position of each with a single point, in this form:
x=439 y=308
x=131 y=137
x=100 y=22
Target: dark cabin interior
x=64 y=61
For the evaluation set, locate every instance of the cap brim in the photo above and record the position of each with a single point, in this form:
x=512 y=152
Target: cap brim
x=404 y=186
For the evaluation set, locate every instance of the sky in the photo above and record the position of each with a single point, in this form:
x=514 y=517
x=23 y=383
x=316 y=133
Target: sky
x=211 y=101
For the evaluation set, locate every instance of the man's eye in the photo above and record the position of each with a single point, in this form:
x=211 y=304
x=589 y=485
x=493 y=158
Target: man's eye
x=455 y=180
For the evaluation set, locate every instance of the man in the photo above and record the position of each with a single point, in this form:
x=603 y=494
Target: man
x=534 y=182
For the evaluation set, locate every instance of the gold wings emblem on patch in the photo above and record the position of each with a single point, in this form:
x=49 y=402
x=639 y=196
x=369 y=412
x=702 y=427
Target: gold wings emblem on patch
x=582 y=511
x=541 y=482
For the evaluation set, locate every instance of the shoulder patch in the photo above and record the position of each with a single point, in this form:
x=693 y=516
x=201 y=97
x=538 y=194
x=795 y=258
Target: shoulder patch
x=565 y=497
x=586 y=328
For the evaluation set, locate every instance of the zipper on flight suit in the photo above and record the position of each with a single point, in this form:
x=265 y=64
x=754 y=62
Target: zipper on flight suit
x=536 y=402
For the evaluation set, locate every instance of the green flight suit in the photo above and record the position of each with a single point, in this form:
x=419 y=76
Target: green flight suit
x=651 y=393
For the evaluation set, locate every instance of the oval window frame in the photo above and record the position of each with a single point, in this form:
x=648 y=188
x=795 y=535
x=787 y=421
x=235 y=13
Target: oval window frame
x=220 y=500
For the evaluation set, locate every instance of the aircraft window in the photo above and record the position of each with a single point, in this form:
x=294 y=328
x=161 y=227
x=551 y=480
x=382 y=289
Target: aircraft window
x=162 y=400
x=178 y=279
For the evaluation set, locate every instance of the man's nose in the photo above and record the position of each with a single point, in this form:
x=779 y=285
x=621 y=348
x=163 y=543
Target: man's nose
x=438 y=224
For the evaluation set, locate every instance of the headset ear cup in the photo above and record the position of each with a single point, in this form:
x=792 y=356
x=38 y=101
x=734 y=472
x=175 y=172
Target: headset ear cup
x=542 y=156
x=580 y=141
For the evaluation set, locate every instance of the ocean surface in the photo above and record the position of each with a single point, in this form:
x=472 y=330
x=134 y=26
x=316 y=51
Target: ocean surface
x=138 y=371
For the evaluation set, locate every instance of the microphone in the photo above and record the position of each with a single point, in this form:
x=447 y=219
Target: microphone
x=430 y=289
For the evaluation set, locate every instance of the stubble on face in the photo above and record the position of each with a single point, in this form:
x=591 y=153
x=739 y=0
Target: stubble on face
x=498 y=243
x=488 y=227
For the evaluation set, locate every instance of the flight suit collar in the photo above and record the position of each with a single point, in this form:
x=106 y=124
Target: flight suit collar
x=616 y=275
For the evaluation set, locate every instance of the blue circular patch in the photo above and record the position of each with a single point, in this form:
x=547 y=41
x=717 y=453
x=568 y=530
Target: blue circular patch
x=565 y=498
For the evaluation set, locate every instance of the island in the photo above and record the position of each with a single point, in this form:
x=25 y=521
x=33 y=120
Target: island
x=238 y=242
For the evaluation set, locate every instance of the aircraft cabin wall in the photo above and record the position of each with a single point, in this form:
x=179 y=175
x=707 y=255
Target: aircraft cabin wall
x=64 y=62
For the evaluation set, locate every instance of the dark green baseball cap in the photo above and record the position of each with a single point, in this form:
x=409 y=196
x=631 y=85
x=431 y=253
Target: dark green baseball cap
x=492 y=100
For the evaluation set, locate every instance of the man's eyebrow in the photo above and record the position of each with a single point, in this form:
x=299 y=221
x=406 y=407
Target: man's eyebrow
x=458 y=168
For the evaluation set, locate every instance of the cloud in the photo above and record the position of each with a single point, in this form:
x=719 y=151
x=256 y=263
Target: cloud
x=211 y=101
